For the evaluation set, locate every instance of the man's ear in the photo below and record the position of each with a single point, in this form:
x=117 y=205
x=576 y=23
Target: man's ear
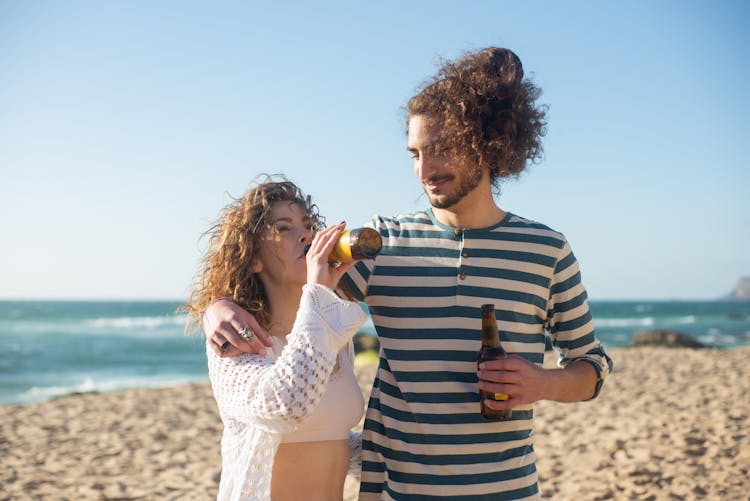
x=256 y=266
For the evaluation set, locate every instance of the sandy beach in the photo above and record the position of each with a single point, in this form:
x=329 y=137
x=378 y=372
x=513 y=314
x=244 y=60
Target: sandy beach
x=670 y=424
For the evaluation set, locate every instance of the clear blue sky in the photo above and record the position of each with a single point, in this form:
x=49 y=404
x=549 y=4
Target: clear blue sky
x=123 y=126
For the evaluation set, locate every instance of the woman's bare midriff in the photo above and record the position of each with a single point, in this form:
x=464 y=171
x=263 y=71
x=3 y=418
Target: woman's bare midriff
x=313 y=471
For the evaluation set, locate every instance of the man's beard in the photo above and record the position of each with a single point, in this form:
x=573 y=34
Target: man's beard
x=469 y=179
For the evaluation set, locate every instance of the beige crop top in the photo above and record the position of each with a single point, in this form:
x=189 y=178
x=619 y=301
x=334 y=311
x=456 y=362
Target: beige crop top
x=340 y=408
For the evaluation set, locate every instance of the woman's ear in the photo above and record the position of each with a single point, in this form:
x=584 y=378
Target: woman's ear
x=256 y=266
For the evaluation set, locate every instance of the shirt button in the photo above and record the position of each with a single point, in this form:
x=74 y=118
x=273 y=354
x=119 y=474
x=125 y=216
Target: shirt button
x=464 y=254
x=462 y=276
x=457 y=232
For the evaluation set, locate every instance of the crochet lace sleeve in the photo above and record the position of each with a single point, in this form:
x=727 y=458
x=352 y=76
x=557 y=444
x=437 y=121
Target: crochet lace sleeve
x=277 y=395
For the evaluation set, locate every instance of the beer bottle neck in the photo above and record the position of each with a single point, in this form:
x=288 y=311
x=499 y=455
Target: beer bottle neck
x=490 y=338
x=490 y=335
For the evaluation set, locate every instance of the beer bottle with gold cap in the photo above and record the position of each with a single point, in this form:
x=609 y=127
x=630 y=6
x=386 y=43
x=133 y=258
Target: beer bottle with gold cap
x=355 y=244
x=491 y=350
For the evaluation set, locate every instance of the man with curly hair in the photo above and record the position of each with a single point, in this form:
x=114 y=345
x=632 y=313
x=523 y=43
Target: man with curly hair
x=473 y=125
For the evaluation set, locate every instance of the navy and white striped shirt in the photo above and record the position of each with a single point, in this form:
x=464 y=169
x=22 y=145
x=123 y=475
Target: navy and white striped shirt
x=424 y=437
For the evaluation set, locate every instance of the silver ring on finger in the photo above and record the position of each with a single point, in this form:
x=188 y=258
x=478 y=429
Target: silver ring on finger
x=247 y=334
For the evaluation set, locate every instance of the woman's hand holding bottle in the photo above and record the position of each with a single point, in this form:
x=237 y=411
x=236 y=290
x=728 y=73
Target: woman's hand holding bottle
x=319 y=269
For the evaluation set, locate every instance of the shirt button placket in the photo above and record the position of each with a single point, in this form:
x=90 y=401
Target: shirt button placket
x=461 y=273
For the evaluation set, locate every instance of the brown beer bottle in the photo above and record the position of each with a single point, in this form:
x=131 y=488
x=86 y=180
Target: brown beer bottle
x=491 y=350
x=359 y=243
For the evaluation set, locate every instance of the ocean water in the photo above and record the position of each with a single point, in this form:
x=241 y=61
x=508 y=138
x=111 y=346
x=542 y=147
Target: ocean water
x=49 y=348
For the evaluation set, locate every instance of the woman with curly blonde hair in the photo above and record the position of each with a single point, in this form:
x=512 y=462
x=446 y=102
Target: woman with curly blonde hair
x=287 y=414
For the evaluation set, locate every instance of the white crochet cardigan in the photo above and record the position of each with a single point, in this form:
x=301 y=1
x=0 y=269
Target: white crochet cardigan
x=259 y=398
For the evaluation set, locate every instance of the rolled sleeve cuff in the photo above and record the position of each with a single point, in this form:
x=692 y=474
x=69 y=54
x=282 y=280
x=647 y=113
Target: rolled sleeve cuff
x=601 y=372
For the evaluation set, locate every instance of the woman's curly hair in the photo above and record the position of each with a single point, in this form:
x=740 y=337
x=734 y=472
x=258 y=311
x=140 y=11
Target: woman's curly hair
x=233 y=242
x=486 y=112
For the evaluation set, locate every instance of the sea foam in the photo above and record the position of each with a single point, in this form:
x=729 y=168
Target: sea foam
x=137 y=322
x=89 y=384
